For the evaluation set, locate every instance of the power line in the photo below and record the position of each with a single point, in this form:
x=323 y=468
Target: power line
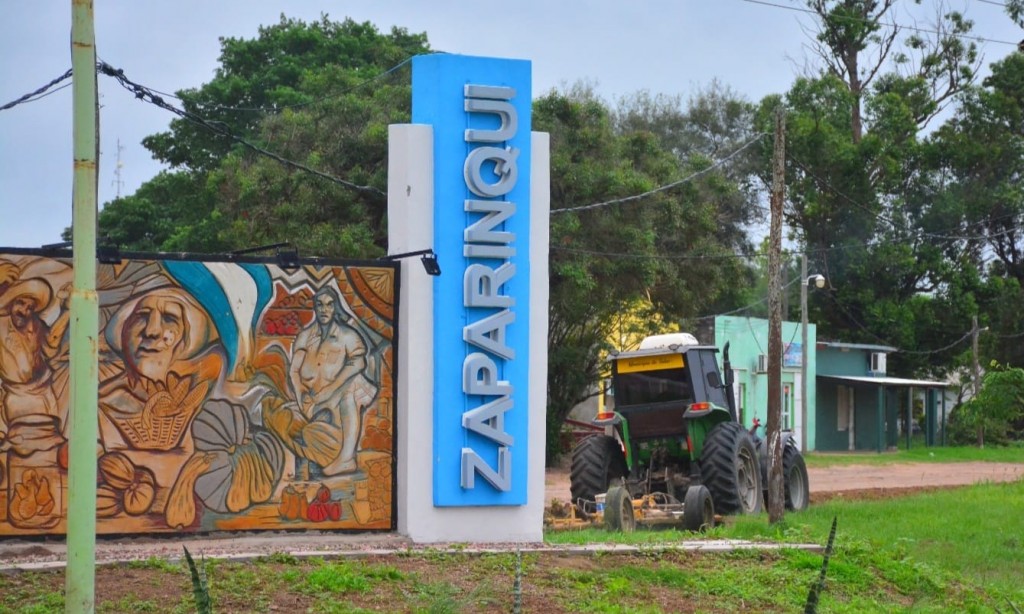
x=143 y=93
x=745 y=307
x=867 y=21
x=278 y=108
x=36 y=94
x=668 y=186
x=590 y=252
x=902 y=351
x=49 y=93
x=881 y=216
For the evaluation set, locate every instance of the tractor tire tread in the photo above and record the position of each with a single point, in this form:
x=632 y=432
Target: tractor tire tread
x=718 y=466
x=596 y=460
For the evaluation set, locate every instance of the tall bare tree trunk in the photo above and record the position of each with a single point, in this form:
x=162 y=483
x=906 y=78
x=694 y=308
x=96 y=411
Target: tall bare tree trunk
x=776 y=500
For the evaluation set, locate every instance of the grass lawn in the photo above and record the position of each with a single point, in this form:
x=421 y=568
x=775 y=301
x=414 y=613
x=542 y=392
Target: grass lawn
x=955 y=550
x=919 y=453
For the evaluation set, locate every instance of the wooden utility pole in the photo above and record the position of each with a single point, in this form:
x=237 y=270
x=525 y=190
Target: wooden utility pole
x=776 y=501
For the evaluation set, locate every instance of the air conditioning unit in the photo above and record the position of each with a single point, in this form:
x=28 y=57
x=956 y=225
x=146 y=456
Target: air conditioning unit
x=877 y=363
x=762 y=363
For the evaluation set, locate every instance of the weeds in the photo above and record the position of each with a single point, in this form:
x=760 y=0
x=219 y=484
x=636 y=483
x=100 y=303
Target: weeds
x=200 y=587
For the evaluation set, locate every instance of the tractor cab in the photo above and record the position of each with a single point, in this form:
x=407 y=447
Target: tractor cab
x=654 y=388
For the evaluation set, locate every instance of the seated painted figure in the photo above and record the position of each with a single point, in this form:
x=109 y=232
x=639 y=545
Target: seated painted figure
x=330 y=390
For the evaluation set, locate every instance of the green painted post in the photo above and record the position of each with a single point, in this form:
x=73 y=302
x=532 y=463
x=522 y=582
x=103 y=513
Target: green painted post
x=881 y=419
x=944 y=417
x=80 y=577
x=929 y=417
x=909 y=417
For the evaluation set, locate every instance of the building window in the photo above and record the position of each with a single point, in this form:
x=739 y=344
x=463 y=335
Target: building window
x=844 y=404
x=741 y=402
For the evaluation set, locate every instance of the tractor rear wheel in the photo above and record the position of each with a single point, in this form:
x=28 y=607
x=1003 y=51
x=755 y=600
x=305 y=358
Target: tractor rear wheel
x=796 y=486
x=730 y=470
x=597 y=462
x=698 y=509
x=794 y=472
x=618 y=510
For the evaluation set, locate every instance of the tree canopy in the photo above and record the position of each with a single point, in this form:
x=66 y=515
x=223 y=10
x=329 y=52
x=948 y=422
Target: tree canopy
x=656 y=199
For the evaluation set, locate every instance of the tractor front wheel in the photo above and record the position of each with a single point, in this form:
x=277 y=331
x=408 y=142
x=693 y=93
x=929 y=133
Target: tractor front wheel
x=618 y=510
x=597 y=462
x=729 y=468
x=698 y=509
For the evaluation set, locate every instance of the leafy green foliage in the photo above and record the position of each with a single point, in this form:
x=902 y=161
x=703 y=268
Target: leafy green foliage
x=321 y=94
x=658 y=250
x=993 y=413
x=866 y=201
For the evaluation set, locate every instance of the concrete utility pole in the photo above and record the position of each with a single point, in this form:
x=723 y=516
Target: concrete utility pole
x=804 y=353
x=976 y=372
x=80 y=576
x=776 y=501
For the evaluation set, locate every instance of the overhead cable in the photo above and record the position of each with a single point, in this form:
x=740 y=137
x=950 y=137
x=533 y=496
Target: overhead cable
x=668 y=186
x=590 y=252
x=980 y=39
x=274 y=108
x=32 y=95
x=143 y=93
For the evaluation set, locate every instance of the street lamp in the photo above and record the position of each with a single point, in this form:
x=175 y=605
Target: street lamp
x=819 y=282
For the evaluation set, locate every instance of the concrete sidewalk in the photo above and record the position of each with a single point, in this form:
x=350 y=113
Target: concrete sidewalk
x=52 y=555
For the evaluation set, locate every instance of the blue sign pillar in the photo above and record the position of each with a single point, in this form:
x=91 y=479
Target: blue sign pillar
x=480 y=111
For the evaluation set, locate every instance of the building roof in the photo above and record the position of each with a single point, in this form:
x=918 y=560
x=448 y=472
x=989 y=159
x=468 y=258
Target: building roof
x=857 y=346
x=888 y=381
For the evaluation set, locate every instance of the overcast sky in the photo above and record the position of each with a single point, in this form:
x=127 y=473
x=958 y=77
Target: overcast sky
x=663 y=46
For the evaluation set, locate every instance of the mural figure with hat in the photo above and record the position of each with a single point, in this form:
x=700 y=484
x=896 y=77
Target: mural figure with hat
x=165 y=341
x=30 y=348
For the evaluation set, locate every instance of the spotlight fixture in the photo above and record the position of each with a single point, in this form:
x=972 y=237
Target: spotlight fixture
x=427 y=257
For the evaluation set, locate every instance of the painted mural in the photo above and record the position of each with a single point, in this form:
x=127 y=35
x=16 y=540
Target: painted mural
x=232 y=396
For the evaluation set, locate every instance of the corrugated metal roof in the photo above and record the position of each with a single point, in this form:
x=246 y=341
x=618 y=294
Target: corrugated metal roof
x=888 y=381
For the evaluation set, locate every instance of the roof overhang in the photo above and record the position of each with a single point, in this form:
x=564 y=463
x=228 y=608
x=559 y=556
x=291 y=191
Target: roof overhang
x=888 y=381
x=838 y=345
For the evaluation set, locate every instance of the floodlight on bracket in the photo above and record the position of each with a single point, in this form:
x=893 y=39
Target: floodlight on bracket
x=105 y=254
x=108 y=254
x=287 y=254
x=52 y=246
x=427 y=257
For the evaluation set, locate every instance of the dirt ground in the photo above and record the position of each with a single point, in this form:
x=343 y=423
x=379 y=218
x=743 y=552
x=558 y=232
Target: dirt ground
x=861 y=481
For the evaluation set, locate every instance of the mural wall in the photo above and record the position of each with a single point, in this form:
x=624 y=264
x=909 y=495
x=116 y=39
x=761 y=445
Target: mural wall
x=232 y=396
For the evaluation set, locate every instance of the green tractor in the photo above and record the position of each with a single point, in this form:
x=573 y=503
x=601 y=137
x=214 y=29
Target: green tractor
x=673 y=445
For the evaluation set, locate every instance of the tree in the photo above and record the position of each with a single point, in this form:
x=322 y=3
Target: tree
x=979 y=155
x=320 y=94
x=861 y=191
x=606 y=260
x=856 y=45
x=323 y=94
x=992 y=413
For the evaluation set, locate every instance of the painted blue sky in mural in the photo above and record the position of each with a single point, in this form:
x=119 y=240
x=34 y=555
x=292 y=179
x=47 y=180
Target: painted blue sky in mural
x=664 y=46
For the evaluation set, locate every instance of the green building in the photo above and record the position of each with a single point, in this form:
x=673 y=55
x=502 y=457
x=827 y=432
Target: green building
x=748 y=353
x=852 y=403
